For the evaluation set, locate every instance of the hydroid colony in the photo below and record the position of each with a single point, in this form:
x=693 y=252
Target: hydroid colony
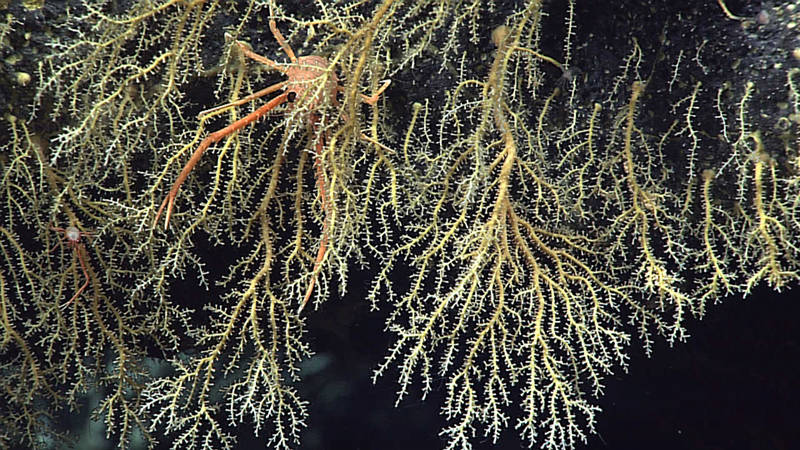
x=535 y=195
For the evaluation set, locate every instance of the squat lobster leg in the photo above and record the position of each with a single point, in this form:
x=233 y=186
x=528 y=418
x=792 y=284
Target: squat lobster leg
x=323 y=244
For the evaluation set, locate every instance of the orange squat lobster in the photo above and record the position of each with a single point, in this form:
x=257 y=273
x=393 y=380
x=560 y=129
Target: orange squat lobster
x=300 y=73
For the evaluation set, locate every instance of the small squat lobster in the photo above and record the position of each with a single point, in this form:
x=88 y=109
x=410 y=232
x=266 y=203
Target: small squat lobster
x=301 y=73
x=73 y=237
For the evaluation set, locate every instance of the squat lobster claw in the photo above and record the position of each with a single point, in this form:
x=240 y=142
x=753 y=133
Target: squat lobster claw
x=301 y=72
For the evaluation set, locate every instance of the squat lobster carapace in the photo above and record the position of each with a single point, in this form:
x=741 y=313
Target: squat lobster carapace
x=301 y=75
